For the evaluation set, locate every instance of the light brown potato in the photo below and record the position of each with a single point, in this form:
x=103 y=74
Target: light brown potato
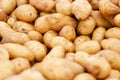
x=43 y=5
x=3 y=15
x=4 y=55
x=59 y=68
x=20 y=64
x=54 y=21
x=34 y=35
x=100 y=20
x=112 y=57
x=7 y=5
x=111 y=43
x=16 y=50
x=21 y=26
x=48 y=36
x=58 y=40
x=63 y=6
x=20 y=2
x=11 y=21
x=68 y=32
x=16 y=37
x=115 y=75
x=113 y=33
x=99 y=34
x=26 y=13
x=70 y=56
x=94 y=64
x=86 y=26
x=81 y=11
x=84 y=76
x=7 y=69
x=117 y=20
x=94 y=4
x=91 y=47
x=38 y=49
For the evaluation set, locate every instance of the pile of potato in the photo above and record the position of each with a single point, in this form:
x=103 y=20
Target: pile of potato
x=60 y=39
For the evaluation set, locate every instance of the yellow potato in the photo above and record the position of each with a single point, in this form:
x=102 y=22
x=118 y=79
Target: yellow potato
x=20 y=2
x=81 y=9
x=98 y=34
x=38 y=49
x=26 y=13
x=86 y=26
x=21 y=26
x=11 y=21
x=68 y=32
x=4 y=55
x=16 y=50
x=111 y=43
x=20 y=64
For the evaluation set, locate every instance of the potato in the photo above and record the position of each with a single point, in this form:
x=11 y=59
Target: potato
x=86 y=26
x=38 y=49
x=81 y=11
x=7 y=5
x=100 y=20
x=7 y=69
x=113 y=33
x=112 y=57
x=115 y=2
x=4 y=55
x=16 y=50
x=48 y=36
x=94 y=64
x=94 y=4
x=34 y=35
x=15 y=37
x=117 y=20
x=11 y=21
x=59 y=68
x=84 y=76
x=70 y=56
x=22 y=26
x=98 y=34
x=58 y=40
x=63 y=6
x=3 y=15
x=26 y=13
x=68 y=32
x=112 y=44
x=115 y=75
x=91 y=47
x=43 y=5
x=54 y=21
x=20 y=2
x=20 y=64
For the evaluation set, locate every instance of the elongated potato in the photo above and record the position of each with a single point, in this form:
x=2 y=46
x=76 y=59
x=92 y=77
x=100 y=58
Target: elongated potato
x=20 y=64
x=38 y=49
x=16 y=50
x=81 y=11
x=4 y=55
x=98 y=34
x=86 y=26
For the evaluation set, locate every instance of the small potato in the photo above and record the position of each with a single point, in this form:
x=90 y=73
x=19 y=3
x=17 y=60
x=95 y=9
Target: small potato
x=91 y=47
x=58 y=40
x=48 y=36
x=84 y=76
x=20 y=64
x=21 y=26
x=98 y=34
x=70 y=56
x=81 y=11
x=68 y=32
x=11 y=21
x=7 y=69
x=16 y=50
x=86 y=26
x=16 y=37
x=100 y=20
x=4 y=55
x=38 y=49
x=112 y=57
x=3 y=15
x=43 y=5
x=20 y=2
x=113 y=33
x=7 y=5
x=117 y=20
x=63 y=6
x=111 y=43
x=26 y=13
x=34 y=35
x=59 y=68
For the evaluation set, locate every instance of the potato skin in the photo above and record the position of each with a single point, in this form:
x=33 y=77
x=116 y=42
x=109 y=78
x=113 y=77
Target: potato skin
x=3 y=15
x=4 y=55
x=20 y=2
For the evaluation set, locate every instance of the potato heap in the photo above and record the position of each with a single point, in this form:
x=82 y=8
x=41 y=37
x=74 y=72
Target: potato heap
x=60 y=39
